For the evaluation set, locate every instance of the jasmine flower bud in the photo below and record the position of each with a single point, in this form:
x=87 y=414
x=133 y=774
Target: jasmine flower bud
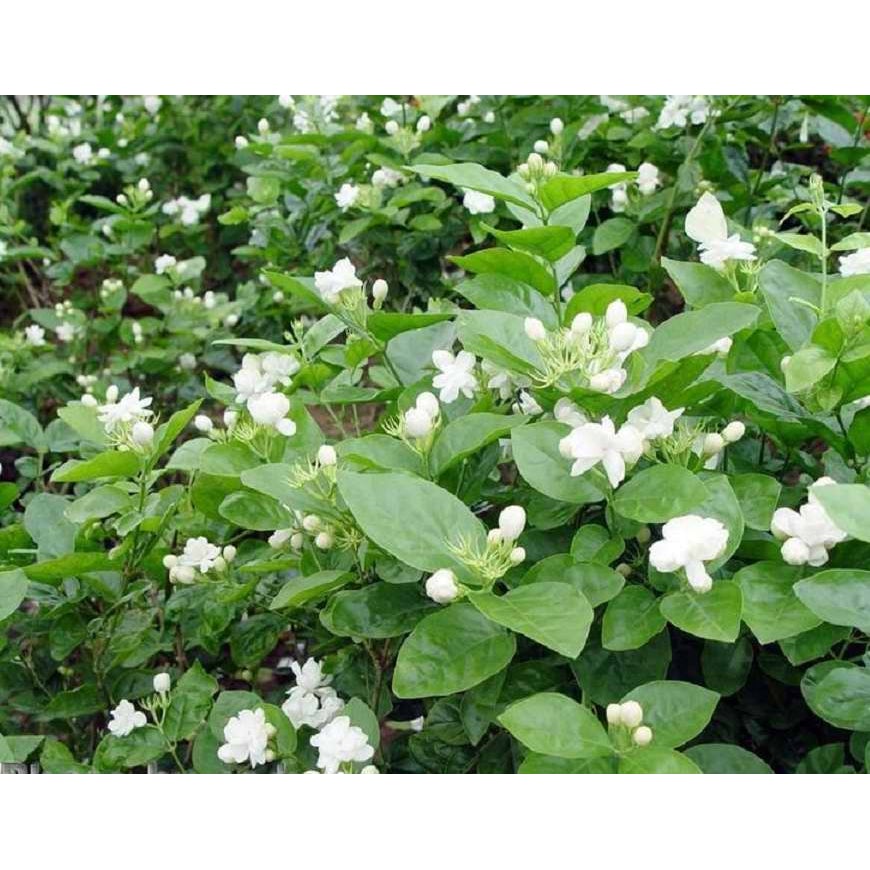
x=795 y=552
x=631 y=714
x=616 y=313
x=263 y=126
x=392 y=127
x=297 y=539
x=556 y=126
x=441 y=586
x=624 y=569
x=170 y=561
x=162 y=683
x=142 y=434
x=643 y=535
x=622 y=336
x=494 y=536
x=229 y=552
x=517 y=556
x=511 y=522
x=614 y=714
x=734 y=431
x=429 y=403
x=424 y=124
x=535 y=329
x=311 y=523
x=642 y=736
x=541 y=147
x=326 y=455
x=582 y=323
x=324 y=540
x=88 y=400
x=241 y=142
x=379 y=291
x=417 y=423
x=713 y=444
x=203 y=423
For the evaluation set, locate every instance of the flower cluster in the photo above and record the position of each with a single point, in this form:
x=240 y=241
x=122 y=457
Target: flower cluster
x=125 y=419
x=188 y=211
x=647 y=181
x=419 y=421
x=706 y=225
x=198 y=558
x=809 y=533
x=255 y=384
x=678 y=111
x=629 y=716
x=687 y=543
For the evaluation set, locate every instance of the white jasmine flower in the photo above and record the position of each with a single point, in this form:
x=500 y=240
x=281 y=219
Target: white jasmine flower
x=619 y=195
x=424 y=124
x=247 y=738
x=314 y=710
x=142 y=434
x=855 y=264
x=391 y=127
x=417 y=423
x=607 y=381
x=341 y=743
x=390 y=108
x=565 y=411
x=642 y=736
x=809 y=533
x=478 y=203
x=129 y=409
x=594 y=443
x=535 y=329
x=347 y=195
x=285 y=101
x=706 y=225
x=511 y=522
x=680 y=110
x=734 y=431
x=386 y=177
x=653 y=420
x=34 y=335
x=152 y=104
x=268 y=409
x=379 y=291
x=441 y=586
x=83 y=154
x=364 y=123
x=162 y=683
x=326 y=455
x=647 y=178
x=712 y=444
x=164 y=262
x=688 y=542
x=125 y=719
x=457 y=375
x=66 y=332
x=199 y=554
x=342 y=276
x=556 y=126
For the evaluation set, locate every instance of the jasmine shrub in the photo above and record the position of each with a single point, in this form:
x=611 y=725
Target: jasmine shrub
x=540 y=520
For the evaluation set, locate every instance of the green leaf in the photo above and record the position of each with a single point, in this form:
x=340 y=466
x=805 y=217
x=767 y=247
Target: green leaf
x=758 y=495
x=450 y=651
x=807 y=367
x=596 y=582
x=595 y=298
x=16 y=750
x=45 y=522
x=553 y=724
x=173 y=427
x=698 y=283
x=53 y=571
x=18 y=426
x=378 y=611
x=542 y=466
x=385 y=325
x=254 y=510
x=659 y=493
x=361 y=715
x=112 y=463
x=801 y=242
x=611 y=234
x=726 y=758
x=513 y=264
x=102 y=501
x=13 y=589
x=654 y=759
x=500 y=293
x=380 y=451
x=300 y=590
x=839 y=693
x=550 y=243
x=431 y=519
x=500 y=338
x=631 y=619
x=135 y=750
x=839 y=596
x=466 y=435
x=555 y=615
x=714 y=615
x=770 y=607
x=473 y=176
x=676 y=711
x=848 y=505
x=563 y=188
x=780 y=284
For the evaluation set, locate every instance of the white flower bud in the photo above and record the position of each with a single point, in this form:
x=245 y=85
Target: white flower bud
x=112 y=394
x=263 y=126
x=541 y=147
x=734 y=431
x=616 y=313
x=494 y=536
x=379 y=290
x=230 y=418
x=142 y=433
x=631 y=714
x=535 y=329
x=428 y=403
x=297 y=539
x=424 y=124
x=536 y=162
x=417 y=423
x=795 y=552
x=441 y=586
x=311 y=522
x=392 y=127
x=624 y=569
x=182 y=574
x=713 y=443
x=324 y=540
x=203 y=423
x=162 y=683
x=556 y=126
x=241 y=142
x=143 y=185
x=326 y=455
x=582 y=323
x=642 y=736
x=229 y=552
x=277 y=297
x=89 y=401
x=270 y=753
x=608 y=381
x=286 y=427
x=614 y=714
x=220 y=564
x=643 y=535
x=170 y=561
x=622 y=336
x=517 y=556
x=512 y=521
x=121 y=199
x=369 y=768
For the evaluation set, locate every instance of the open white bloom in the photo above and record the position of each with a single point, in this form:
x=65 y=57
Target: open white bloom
x=647 y=178
x=127 y=410
x=247 y=736
x=653 y=420
x=268 y=409
x=441 y=586
x=593 y=443
x=152 y=104
x=706 y=224
x=200 y=554
x=347 y=195
x=314 y=710
x=456 y=375
x=855 y=264
x=34 y=335
x=83 y=153
x=164 y=262
x=364 y=123
x=342 y=276
x=341 y=743
x=688 y=542
x=478 y=203
x=809 y=533
x=188 y=211
x=390 y=107
x=511 y=522
x=565 y=411
x=680 y=110
x=125 y=719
